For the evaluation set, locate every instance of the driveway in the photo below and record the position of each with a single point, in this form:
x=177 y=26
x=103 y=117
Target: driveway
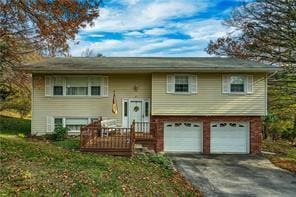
x=235 y=175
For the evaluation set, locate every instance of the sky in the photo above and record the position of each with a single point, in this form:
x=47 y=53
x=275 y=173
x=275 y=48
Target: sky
x=155 y=28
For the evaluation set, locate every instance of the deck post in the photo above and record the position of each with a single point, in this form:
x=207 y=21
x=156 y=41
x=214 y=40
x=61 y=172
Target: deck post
x=132 y=137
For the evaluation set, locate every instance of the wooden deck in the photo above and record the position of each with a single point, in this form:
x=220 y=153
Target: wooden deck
x=115 y=141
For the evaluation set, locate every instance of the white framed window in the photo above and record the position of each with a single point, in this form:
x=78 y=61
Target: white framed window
x=76 y=86
x=237 y=84
x=74 y=124
x=182 y=84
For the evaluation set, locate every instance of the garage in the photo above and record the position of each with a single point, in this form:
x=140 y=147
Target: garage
x=182 y=137
x=230 y=137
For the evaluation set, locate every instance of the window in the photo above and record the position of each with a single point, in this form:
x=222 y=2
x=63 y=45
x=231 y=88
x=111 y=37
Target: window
x=237 y=84
x=58 y=90
x=181 y=84
x=95 y=90
x=58 y=122
x=58 y=86
x=74 y=124
x=76 y=85
x=125 y=108
x=146 y=109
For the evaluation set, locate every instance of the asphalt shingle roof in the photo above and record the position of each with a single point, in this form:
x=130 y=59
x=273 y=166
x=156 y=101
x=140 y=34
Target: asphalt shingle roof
x=145 y=64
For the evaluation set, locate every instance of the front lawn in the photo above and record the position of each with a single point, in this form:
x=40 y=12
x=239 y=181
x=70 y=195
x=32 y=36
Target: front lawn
x=33 y=167
x=285 y=154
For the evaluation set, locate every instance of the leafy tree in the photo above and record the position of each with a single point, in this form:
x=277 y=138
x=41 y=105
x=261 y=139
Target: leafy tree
x=43 y=26
x=35 y=27
x=265 y=31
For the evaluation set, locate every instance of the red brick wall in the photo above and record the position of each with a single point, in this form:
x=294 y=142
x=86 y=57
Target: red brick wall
x=255 y=129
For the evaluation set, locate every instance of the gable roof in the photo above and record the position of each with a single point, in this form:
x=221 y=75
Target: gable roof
x=145 y=64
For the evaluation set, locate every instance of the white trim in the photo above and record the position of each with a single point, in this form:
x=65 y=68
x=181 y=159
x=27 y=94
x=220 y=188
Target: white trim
x=173 y=91
x=228 y=76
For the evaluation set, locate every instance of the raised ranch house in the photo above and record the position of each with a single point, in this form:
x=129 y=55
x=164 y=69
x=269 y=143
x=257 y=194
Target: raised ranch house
x=203 y=105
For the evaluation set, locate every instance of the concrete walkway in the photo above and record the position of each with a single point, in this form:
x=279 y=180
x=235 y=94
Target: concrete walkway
x=235 y=175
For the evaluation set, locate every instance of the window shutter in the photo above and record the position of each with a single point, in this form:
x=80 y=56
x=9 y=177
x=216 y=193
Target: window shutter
x=48 y=86
x=225 y=84
x=50 y=124
x=193 y=83
x=249 y=84
x=170 y=83
x=104 y=86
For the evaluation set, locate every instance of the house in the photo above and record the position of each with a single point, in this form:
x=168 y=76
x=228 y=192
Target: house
x=206 y=105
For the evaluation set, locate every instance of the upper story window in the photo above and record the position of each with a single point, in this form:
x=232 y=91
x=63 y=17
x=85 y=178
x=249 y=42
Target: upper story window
x=76 y=86
x=182 y=84
x=237 y=84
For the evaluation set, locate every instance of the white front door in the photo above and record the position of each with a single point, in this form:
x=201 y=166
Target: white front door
x=135 y=109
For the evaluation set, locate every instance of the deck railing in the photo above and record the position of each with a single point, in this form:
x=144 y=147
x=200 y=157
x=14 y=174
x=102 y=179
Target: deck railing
x=145 y=130
x=110 y=140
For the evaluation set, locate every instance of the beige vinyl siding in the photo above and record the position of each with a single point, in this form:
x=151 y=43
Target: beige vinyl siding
x=209 y=100
x=81 y=106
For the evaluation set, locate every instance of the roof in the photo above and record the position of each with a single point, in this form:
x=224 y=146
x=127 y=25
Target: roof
x=145 y=64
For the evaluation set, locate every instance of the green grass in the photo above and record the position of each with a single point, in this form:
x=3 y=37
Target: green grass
x=72 y=143
x=285 y=153
x=13 y=125
x=30 y=167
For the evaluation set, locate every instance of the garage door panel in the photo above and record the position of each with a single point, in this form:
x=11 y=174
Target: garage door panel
x=182 y=137
x=230 y=137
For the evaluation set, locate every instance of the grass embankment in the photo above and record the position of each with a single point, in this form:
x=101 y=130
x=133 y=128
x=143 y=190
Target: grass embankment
x=285 y=154
x=34 y=167
x=13 y=125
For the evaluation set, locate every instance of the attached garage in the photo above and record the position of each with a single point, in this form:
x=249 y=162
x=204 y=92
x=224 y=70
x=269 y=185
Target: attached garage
x=182 y=137
x=230 y=137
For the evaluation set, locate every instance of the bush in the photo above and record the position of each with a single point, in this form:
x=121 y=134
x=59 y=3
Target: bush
x=11 y=125
x=289 y=134
x=60 y=133
x=158 y=159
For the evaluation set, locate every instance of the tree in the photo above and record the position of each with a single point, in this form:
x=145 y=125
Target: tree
x=35 y=27
x=90 y=53
x=265 y=31
x=43 y=26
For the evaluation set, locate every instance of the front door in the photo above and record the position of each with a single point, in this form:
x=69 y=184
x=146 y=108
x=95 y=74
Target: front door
x=137 y=110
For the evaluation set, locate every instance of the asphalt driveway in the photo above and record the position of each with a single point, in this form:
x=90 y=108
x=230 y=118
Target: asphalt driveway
x=235 y=175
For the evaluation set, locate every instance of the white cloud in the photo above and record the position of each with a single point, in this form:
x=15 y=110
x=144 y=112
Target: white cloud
x=145 y=26
x=156 y=31
x=143 y=15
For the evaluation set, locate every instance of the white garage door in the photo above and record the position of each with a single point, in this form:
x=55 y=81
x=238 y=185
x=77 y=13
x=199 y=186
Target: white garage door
x=230 y=137
x=182 y=137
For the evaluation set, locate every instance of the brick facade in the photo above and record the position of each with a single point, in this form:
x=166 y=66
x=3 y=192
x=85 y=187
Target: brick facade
x=255 y=129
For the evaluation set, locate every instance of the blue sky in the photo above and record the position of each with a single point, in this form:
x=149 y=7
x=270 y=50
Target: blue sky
x=170 y=28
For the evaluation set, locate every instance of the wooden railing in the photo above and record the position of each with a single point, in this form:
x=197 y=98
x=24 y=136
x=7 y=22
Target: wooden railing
x=109 y=140
x=145 y=130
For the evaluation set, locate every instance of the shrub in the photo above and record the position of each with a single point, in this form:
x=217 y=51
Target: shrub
x=60 y=133
x=158 y=159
